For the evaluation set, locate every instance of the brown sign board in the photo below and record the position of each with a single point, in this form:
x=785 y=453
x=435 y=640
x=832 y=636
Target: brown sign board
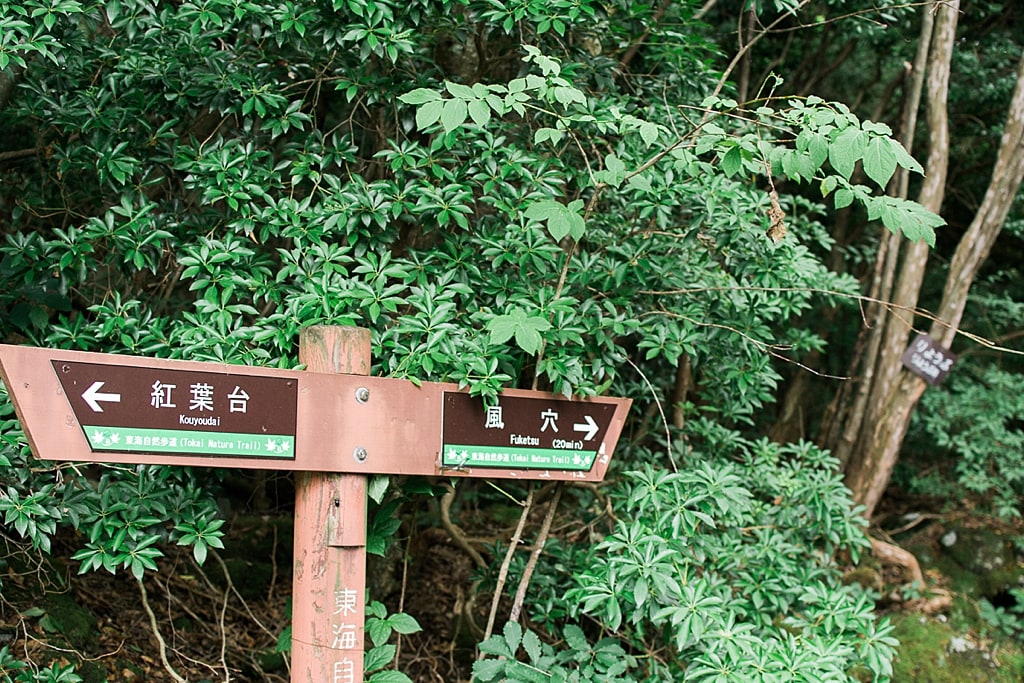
x=93 y=407
x=535 y=433
x=163 y=410
x=928 y=360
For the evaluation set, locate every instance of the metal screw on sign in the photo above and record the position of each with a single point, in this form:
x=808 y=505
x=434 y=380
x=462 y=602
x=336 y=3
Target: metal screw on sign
x=362 y=394
x=360 y=454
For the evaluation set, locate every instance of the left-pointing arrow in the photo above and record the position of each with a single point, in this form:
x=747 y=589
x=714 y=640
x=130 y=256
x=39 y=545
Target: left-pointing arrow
x=93 y=396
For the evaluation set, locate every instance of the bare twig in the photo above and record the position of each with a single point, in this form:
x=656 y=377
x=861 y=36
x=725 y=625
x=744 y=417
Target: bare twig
x=223 y=630
x=405 y=583
x=894 y=309
x=505 y=563
x=661 y=411
x=156 y=633
x=231 y=587
x=538 y=547
x=273 y=564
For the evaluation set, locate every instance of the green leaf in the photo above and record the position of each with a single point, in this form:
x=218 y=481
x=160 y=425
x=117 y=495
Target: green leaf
x=546 y=134
x=525 y=328
x=879 y=160
x=199 y=551
x=817 y=147
x=479 y=112
x=577 y=226
x=420 y=96
x=649 y=132
x=403 y=623
x=520 y=672
x=486 y=670
x=543 y=210
x=379 y=657
x=846 y=150
x=429 y=113
x=389 y=677
x=496 y=645
x=904 y=159
x=378 y=486
x=531 y=643
x=561 y=220
x=513 y=635
x=843 y=197
x=640 y=182
x=453 y=114
x=732 y=161
x=910 y=218
x=615 y=170
x=575 y=638
x=379 y=631
x=284 y=640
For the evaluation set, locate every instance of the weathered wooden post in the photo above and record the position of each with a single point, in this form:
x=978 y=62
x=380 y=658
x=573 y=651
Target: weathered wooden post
x=329 y=562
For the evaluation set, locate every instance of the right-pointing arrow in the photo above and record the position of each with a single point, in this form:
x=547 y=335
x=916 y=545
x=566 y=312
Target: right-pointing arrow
x=92 y=396
x=590 y=427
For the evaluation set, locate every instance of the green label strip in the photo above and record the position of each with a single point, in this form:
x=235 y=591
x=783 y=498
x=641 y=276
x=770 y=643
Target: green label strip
x=517 y=458
x=176 y=441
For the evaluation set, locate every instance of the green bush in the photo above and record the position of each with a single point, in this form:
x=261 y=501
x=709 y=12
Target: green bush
x=477 y=184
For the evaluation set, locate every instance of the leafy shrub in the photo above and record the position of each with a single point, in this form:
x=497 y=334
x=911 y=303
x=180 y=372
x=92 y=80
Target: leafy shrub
x=499 y=208
x=976 y=417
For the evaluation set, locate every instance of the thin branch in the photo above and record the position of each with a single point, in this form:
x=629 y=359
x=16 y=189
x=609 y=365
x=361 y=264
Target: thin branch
x=454 y=531
x=538 y=547
x=704 y=9
x=505 y=563
x=404 y=587
x=893 y=308
x=17 y=154
x=220 y=623
x=634 y=48
x=771 y=349
x=661 y=411
x=746 y=47
x=233 y=589
x=156 y=632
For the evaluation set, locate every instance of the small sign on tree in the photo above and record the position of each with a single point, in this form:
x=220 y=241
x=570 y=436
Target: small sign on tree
x=929 y=361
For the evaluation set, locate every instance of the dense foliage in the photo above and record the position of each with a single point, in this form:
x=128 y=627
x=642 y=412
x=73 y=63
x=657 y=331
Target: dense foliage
x=561 y=195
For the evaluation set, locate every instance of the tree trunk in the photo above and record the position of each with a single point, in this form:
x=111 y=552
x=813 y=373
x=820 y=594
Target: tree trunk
x=868 y=472
x=879 y=420
x=844 y=418
x=975 y=245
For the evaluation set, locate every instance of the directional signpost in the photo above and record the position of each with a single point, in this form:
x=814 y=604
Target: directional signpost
x=332 y=429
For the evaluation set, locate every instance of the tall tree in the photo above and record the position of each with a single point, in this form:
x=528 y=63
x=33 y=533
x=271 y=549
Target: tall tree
x=869 y=441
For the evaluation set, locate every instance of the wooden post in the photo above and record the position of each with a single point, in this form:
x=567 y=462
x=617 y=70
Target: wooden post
x=329 y=584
